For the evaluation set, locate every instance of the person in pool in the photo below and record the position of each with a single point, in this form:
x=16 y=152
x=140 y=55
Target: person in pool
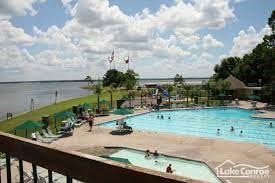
x=270 y=125
x=169 y=117
x=232 y=129
x=241 y=133
x=158 y=116
x=218 y=131
x=161 y=117
x=169 y=169
x=147 y=153
x=156 y=154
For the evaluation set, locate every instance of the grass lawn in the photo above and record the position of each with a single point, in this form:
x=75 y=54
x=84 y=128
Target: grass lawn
x=36 y=115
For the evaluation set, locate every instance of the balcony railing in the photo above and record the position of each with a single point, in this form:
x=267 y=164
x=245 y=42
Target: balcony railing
x=74 y=165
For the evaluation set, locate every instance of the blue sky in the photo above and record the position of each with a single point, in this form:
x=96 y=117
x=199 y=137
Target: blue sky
x=71 y=39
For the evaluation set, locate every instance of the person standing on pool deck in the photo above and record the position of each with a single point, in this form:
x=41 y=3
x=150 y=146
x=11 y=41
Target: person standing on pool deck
x=169 y=169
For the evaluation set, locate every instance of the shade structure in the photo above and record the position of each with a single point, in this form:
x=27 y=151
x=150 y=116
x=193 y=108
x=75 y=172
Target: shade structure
x=254 y=97
x=28 y=125
x=121 y=160
x=64 y=115
x=123 y=111
x=86 y=106
x=104 y=102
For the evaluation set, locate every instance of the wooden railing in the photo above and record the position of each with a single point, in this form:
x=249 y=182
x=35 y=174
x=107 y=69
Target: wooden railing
x=75 y=165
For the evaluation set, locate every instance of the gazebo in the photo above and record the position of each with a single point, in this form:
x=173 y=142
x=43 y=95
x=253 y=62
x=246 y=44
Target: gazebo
x=239 y=89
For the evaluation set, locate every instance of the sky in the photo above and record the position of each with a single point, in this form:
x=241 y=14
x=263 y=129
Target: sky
x=70 y=39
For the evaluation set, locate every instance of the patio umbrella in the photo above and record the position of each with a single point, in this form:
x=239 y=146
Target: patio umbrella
x=86 y=106
x=123 y=111
x=121 y=160
x=64 y=115
x=254 y=97
x=27 y=125
x=104 y=102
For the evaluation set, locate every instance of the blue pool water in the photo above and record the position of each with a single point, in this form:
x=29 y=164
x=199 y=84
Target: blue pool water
x=205 y=122
x=187 y=168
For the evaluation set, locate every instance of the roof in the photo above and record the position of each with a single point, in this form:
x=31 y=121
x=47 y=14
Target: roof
x=235 y=83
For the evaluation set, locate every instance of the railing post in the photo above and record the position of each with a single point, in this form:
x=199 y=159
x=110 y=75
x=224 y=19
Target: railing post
x=50 y=176
x=34 y=172
x=21 y=171
x=8 y=167
x=69 y=179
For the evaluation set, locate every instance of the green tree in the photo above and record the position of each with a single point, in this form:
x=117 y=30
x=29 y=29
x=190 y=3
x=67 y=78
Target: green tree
x=169 y=89
x=178 y=80
x=130 y=79
x=114 y=77
x=226 y=68
x=89 y=80
x=98 y=90
x=187 y=89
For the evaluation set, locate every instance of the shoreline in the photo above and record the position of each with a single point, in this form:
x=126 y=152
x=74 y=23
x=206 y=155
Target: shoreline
x=46 y=105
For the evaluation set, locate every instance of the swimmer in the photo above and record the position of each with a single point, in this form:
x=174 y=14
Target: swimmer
x=218 y=131
x=147 y=153
x=270 y=125
x=169 y=117
x=156 y=154
x=169 y=169
x=241 y=133
x=161 y=117
x=232 y=129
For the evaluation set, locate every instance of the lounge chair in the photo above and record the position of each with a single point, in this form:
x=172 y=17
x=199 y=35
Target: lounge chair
x=41 y=139
x=52 y=134
x=44 y=132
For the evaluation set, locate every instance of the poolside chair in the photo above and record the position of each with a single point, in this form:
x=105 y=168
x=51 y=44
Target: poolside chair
x=52 y=134
x=44 y=132
x=41 y=139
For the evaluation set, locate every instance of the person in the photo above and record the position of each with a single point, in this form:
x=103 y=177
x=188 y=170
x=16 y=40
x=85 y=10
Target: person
x=218 y=131
x=147 y=153
x=91 y=122
x=169 y=169
x=158 y=116
x=169 y=117
x=232 y=129
x=161 y=117
x=241 y=133
x=156 y=154
x=126 y=126
x=270 y=125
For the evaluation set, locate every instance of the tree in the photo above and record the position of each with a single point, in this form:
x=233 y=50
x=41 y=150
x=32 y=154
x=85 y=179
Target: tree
x=226 y=68
x=130 y=79
x=89 y=80
x=113 y=77
x=169 y=89
x=187 y=88
x=98 y=91
x=178 y=80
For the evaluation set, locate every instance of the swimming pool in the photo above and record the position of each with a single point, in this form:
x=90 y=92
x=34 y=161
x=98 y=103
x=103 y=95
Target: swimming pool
x=205 y=122
x=187 y=168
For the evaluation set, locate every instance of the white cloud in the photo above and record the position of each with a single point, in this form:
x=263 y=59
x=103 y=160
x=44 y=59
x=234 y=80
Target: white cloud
x=247 y=40
x=10 y=8
x=168 y=38
x=208 y=41
x=11 y=35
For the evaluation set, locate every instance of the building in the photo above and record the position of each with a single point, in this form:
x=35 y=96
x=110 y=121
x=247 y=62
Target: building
x=240 y=90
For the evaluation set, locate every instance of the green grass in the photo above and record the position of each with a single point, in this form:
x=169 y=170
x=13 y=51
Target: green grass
x=36 y=115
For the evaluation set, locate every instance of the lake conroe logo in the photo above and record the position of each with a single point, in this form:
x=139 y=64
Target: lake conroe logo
x=230 y=169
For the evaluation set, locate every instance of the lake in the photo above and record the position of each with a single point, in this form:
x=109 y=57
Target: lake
x=16 y=97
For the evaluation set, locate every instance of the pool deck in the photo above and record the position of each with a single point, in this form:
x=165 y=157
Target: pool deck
x=212 y=151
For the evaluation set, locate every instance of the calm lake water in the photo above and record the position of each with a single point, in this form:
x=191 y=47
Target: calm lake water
x=16 y=97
